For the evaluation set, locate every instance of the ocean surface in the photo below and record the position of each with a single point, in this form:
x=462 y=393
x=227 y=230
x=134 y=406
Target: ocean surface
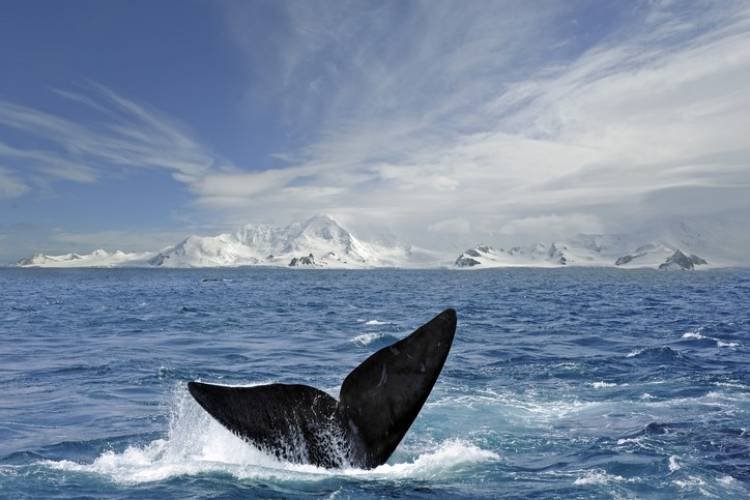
x=588 y=383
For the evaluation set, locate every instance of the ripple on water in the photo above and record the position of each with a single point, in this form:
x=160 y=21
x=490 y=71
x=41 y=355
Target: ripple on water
x=564 y=383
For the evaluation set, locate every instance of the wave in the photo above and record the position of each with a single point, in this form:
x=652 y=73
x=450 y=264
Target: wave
x=367 y=339
x=731 y=345
x=197 y=444
x=692 y=335
x=599 y=477
x=519 y=408
x=664 y=354
x=603 y=385
x=697 y=335
x=450 y=455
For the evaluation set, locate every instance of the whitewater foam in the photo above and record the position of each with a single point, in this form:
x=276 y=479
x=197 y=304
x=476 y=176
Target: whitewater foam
x=599 y=477
x=525 y=409
x=602 y=384
x=693 y=335
x=689 y=482
x=731 y=345
x=197 y=444
x=367 y=338
x=697 y=335
x=634 y=353
x=727 y=481
x=449 y=456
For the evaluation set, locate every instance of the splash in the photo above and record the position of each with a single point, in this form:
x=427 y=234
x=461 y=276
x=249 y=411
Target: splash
x=451 y=455
x=367 y=338
x=197 y=444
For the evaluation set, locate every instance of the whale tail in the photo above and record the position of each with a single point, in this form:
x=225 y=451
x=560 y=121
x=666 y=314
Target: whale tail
x=379 y=400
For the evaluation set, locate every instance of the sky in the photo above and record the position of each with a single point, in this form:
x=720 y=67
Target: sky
x=130 y=125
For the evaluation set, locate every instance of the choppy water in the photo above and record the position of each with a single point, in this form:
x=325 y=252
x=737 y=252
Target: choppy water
x=567 y=382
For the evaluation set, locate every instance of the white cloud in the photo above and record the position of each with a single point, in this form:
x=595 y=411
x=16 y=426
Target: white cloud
x=131 y=241
x=553 y=226
x=487 y=120
x=127 y=136
x=427 y=124
x=50 y=163
x=10 y=186
x=456 y=225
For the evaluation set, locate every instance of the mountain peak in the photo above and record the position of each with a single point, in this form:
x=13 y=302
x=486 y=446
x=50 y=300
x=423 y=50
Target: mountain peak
x=320 y=225
x=321 y=219
x=320 y=239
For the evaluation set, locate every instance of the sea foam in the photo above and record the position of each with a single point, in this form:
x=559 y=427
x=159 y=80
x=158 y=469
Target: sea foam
x=197 y=444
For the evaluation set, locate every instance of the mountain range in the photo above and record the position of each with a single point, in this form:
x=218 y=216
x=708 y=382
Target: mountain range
x=321 y=242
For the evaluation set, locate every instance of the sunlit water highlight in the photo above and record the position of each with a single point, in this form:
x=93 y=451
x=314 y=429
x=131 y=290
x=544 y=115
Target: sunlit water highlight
x=571 y=382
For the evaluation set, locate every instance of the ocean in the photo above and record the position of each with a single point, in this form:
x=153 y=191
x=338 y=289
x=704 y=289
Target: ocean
x=562 y=383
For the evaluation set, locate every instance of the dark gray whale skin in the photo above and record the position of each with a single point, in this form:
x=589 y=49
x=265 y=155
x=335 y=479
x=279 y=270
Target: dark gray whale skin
x=379 y=400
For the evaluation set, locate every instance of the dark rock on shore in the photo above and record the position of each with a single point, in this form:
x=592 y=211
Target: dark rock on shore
x=680 y=261
x=302 y=261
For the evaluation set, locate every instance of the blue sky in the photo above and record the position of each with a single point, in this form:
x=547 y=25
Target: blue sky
x=132 y=124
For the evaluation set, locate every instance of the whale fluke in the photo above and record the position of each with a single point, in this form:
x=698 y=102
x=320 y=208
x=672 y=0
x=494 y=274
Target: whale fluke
x=379 y=400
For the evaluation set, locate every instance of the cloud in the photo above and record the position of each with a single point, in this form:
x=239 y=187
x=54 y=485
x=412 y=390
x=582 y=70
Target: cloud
x=127 y=135
x=456 y=225
x=10 y=186
x=126 y=240
x=510 y=122
x=491 y=121
x=552 y=226
x=50 y=163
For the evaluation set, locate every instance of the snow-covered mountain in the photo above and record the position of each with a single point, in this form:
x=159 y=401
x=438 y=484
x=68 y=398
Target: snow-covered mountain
x=678 y=261
x=583 y=250
x=97 y=258
x=321 y=242
x=321 y=237
x=539 y=255
x=317 y=242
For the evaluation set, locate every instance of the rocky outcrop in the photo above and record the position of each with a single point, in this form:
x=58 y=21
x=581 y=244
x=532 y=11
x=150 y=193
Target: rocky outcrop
x=621 y=261
x=698 y=261
x=680 y=261
x=464 y=261
x=309 y=260
x=475 y=256
x=553 y=255
x=556 y=255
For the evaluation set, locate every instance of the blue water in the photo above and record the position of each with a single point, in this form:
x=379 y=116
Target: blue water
x=590 y=383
